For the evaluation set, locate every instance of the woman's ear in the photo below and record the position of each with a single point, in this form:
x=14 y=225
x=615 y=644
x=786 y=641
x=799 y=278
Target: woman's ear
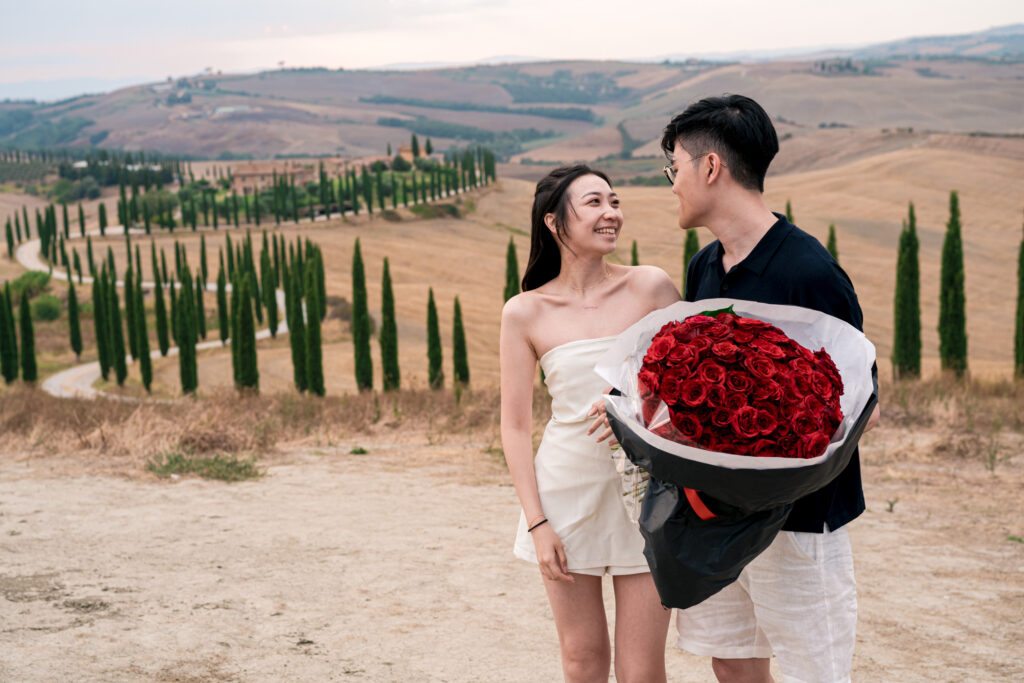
x=549 y=220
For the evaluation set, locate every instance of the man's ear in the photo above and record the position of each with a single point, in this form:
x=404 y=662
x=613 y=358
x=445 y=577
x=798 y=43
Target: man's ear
x=714 y=168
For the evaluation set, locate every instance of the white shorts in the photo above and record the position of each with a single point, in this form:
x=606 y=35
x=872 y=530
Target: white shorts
x=797 y=600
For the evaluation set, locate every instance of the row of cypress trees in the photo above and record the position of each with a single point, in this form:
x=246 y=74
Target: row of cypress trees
x=388 y=334
x=10 y=360
x=952 y=328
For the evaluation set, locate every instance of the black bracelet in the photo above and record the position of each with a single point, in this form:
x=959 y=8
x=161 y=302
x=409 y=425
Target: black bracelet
x=543 y=521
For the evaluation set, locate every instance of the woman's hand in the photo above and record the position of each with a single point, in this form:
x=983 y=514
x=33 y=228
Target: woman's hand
x=551 y=554
x=601 y=421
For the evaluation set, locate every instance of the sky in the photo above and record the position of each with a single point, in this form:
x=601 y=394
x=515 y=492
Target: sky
x=62 y=45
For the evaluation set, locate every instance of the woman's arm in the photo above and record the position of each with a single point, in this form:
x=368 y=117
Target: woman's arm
x=518 y=366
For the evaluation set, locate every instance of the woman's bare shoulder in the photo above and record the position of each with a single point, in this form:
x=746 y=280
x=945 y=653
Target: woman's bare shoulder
x=522 y=307
x=650 y=277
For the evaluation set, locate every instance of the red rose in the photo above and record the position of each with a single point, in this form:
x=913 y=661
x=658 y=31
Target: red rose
x=805 y=423
x=770 y=349
x=812 y=445
x=738 y=381
x=812 y=405
x=822 y=386
x=684 y=333
x=715 y=395
x=693 y=392
x=775 y=335
x=734 y=402
x=726 y=351
x=742 y=336
x=647 y=382
x=659 y=348
x=766 y=422
x=760 y=366
x=711 y=372
x=699 y=322
x=682 y=355
x=688 y=425
x=801 y=366
x=717 y=331
x=744 y=422
x=751 y=324
x=767 y=390
x=670 y=383
x=788 y=445
x=720 y=417
x=765 y=448
x=700 y=344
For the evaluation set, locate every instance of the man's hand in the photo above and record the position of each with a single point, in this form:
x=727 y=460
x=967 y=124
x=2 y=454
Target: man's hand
x=876 y=415
x=599 y=410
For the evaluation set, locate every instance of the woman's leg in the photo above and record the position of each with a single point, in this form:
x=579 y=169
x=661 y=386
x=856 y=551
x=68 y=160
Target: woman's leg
x=582 y=628
x=641 y=626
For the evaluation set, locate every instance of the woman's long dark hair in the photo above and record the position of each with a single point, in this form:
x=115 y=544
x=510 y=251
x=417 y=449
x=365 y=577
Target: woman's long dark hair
x=545 y=259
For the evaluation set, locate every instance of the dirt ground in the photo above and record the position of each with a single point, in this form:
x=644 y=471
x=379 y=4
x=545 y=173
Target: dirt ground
x=396 y=565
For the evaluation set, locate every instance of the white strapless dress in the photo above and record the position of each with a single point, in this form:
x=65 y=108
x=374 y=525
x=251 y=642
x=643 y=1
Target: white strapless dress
x=579 y=487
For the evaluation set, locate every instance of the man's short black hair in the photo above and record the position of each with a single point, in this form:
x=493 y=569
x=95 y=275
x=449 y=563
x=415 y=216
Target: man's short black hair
x=734 y=126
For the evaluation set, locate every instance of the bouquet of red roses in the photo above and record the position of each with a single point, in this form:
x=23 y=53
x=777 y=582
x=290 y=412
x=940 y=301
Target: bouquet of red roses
x=739 y=385
x=734 y=418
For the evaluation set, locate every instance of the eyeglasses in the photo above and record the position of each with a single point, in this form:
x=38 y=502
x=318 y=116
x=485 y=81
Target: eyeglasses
x=670 y=171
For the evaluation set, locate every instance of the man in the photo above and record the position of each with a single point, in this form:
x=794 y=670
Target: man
x=798 y=598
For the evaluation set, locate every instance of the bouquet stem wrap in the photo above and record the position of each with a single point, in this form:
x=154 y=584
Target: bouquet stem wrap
x=691 y=555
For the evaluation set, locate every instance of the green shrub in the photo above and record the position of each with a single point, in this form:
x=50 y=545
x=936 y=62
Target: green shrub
x=220 y=467
x=46 y=307
x=33 y=283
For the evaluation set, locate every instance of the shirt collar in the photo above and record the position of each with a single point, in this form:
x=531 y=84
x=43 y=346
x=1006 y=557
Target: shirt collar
x=757 y=260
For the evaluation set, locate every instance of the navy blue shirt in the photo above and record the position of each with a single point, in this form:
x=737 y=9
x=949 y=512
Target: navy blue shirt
x=790 y=267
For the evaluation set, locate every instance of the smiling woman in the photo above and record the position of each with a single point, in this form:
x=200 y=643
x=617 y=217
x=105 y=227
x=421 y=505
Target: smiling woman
x=572 y=524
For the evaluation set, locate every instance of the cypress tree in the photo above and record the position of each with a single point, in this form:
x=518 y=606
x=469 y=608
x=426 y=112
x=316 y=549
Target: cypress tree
x=269 y=286
x=64 y=213
x=172 y=317
x=388 y=335
x=952 y=302
x=832 y=247
x=634 y=256
x=249 y=376
x=77 y=263
x=160 y=313
x=361 y=323
x=789 y=212
x=511 y=271
x=690 y=249
x=29 y=371
x=100 y=325
x=415 y=146
x=186 y=313
x=202 y=259
x=81 y=220
x=141 y=335
x=435 y=373
x=74 y=324
x=236 y=339
x=103 y=218
x=222 y=304
x=321 y=285
x=89 y=257
x=129 y=309
x=116 y=331
x=297 y=327
x=314 y=348
x=1018 y=337
x=17 y=227
x=8 y=338
x=460 y=364
x=200 y=310
x=906 y=343
x=10 y=240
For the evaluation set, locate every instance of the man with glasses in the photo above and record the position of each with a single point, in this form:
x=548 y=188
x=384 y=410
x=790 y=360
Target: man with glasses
x=797 y=600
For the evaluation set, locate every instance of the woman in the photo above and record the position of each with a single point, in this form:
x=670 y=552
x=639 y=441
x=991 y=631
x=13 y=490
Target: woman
x=573 y=523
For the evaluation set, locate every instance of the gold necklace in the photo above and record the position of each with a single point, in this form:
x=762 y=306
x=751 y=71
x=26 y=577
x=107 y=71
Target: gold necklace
x=607 y=274
x=583 y=290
